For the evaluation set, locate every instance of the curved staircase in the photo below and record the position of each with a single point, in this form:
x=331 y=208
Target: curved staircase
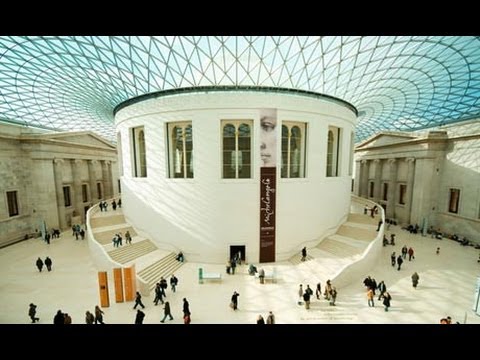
x=151 y=262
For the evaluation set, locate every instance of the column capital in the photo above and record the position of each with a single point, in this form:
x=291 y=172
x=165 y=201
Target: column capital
x=363 y=161
x=58 y=161
x=77 y=161
x=92 y=161
x=391 y=161
x=408 y=160
x=376 y=161
x=106 y=162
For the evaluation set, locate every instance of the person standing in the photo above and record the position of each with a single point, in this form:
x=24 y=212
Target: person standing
x=32 y=311
x=271 y=318
x=399 y=262
x=370 y=298
x=186 y=307
x=173 y=282
x=410 y=254
x=166 y=312
x=261 y=276
x=260 y=320
x=304 y=254
x=89 y=318
x=393 y=257
x=139 y=317
x=235 y=300
x=386 y=300
x=415 y=279
x=39 y=264
x=48 y=263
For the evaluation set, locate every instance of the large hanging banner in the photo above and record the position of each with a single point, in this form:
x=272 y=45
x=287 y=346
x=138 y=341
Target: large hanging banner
x=268 y=183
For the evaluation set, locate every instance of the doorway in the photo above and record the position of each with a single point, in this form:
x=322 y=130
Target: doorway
x=235 y=249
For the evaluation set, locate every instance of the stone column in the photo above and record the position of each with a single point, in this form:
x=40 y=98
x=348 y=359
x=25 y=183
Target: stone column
x=392 y=189
x=364 y=180
x=92 y=180
x=77 y=188
x=378 y=180
x=106 y=179
x=58 y=176
x=358 y=178
x=410 y=177
x=110 y=178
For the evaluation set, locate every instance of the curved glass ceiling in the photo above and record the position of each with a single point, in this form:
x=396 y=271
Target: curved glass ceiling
x=396 y=82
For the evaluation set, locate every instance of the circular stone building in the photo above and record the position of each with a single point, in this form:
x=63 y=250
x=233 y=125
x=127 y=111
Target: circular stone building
x=215 y=172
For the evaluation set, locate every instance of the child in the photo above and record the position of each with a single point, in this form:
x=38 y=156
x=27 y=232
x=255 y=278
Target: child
x=438 y=250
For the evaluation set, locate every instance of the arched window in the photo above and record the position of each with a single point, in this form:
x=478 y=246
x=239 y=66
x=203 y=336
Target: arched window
x=293 y=149
x=237 y=145
x=139 y=154
x=333 y=151
x=180 y=150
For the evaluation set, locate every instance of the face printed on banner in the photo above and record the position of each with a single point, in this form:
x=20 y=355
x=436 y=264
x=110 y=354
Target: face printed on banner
x=268 y=137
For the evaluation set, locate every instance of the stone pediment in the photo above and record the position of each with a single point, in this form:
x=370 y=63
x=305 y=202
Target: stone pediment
x=386 y=139
x=81 y=137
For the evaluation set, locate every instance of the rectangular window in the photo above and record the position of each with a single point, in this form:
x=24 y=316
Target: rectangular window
x=333 y=151
x=66 y=196
x=12 y=203
x=84 y=193
x=371 y=187
x=403 y=194
x=99 y=190
x=237 y=149
x=139 y=154
x=385 y=191
x=454 y=200
x=294 y=136
x=180 y=149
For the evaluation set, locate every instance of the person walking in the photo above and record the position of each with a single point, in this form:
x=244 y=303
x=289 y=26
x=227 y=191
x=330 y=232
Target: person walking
x=304 y=254
x=393 y=257
x=98 y=315
x=411 y=254
x=415 y=279
x=370 y=298
x=166 y=312
x=400 y=262
x=186 y=308
x=138 y=301
x=48 y=263
x=32 y=311
x=39 y=264
x=386 y=300
x=235 y=300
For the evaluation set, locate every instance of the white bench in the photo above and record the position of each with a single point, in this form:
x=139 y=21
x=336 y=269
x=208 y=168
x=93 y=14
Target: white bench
x=211 y=276
x=269 y=275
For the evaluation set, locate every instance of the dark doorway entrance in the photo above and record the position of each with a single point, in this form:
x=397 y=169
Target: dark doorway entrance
x=234 y=249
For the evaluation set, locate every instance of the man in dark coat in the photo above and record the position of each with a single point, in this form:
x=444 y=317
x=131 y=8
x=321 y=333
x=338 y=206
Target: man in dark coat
x=48 y=263
x=39 y=264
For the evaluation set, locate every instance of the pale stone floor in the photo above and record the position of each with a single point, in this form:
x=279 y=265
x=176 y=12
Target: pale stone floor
x=446 y=287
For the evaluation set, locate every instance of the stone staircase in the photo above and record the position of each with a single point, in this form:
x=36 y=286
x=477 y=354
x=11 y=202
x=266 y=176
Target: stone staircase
x=297 y=259
x=129 y=252
x=348 y=243
x=151 y=262
x=163 y=267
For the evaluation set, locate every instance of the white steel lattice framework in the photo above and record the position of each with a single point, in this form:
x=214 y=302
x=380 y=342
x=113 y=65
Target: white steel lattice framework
x=395 y=82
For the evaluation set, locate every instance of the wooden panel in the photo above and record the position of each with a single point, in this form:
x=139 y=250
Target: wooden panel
x=117 y=275
x=103 y=287
x=129 y=280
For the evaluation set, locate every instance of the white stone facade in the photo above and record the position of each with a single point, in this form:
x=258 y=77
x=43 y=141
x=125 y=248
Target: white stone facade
x=430 y=164
x=203 y=216
x=37 y=165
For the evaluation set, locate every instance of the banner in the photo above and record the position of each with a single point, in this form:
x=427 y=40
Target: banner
x=268 y=183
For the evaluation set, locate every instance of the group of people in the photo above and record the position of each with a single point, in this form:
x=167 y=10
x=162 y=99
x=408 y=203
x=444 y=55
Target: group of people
x=270 y=319
x=48 y=263
x=330 y=294
x=371 y=286
x=78 y=231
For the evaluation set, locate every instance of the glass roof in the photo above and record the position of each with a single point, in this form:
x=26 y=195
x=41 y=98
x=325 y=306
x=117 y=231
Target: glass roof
x=396 y=82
